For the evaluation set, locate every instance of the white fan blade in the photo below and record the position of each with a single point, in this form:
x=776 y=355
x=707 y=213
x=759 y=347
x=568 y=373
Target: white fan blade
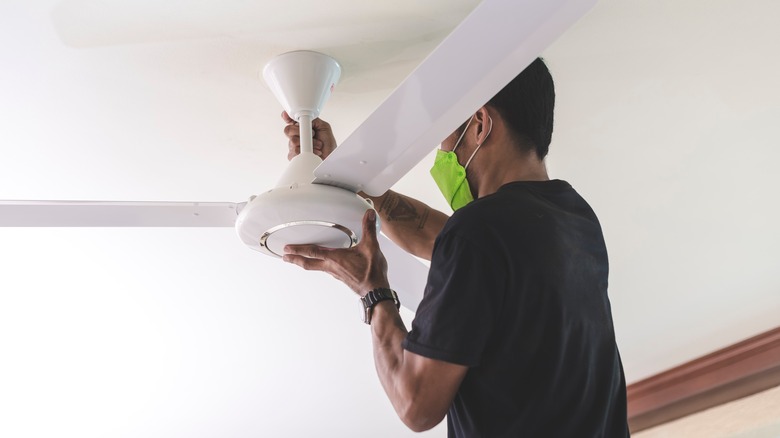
x=408 y=276
x=117 y=214
x=483 y=54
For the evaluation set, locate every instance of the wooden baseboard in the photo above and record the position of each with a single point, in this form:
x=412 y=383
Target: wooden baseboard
x=739 y=370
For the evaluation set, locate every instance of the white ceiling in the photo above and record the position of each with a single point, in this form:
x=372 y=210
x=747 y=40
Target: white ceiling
x=666 y=122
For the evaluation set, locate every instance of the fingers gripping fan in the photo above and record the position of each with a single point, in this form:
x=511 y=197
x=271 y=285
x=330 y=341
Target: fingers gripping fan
x=297 y=211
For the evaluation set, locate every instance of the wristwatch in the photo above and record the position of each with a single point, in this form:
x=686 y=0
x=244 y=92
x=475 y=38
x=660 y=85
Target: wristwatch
x=377 y=296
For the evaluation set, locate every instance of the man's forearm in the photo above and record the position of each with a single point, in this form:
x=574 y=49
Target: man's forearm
x=409 y=223
x=417 y=404
x=388 y=332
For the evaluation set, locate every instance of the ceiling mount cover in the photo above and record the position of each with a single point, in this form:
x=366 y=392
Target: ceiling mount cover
x=302 y=81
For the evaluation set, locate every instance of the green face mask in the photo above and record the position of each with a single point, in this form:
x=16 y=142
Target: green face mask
x=450 y=176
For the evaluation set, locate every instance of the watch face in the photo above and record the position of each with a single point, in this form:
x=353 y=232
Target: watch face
x=364 y=311
x=375 y=296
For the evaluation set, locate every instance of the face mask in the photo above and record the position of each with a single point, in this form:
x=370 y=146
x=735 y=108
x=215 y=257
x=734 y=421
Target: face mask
x=450 y=176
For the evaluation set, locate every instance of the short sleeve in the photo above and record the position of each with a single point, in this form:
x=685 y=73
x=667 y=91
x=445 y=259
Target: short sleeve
x=462 y=299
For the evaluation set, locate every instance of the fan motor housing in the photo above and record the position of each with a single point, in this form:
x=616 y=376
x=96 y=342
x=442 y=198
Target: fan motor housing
x=302 y=214
x=297 y=211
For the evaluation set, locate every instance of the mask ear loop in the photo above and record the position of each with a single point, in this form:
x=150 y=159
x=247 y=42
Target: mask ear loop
x=490 y=128
x=457 y=143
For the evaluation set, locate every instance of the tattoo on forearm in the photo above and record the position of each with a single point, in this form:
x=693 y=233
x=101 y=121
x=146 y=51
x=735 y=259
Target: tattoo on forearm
x=400 y=209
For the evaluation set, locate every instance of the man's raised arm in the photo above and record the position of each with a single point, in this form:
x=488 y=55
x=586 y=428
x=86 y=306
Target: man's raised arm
x=410 y=223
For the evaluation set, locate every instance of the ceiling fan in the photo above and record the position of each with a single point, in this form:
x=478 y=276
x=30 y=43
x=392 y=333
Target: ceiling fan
x=316 y=201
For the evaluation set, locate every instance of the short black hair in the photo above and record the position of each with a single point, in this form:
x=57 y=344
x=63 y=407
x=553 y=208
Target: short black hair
x=526 y=104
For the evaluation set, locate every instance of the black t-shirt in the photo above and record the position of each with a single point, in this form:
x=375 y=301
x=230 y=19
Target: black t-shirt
x=517 y=291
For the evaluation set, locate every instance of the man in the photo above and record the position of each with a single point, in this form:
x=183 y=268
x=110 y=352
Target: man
x=514 y=334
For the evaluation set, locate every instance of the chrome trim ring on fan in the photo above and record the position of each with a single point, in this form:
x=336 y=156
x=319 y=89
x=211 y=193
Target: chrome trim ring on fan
x=352 y=236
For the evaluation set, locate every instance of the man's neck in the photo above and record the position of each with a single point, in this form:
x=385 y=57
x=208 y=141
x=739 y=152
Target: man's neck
x=526 y=168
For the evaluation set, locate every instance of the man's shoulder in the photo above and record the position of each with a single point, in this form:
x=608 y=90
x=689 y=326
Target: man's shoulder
x=518 y=211
x=509 y=204
x=484 y=222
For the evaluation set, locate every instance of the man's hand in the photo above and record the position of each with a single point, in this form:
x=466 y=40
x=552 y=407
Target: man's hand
x=324 y=142
x=362 y=267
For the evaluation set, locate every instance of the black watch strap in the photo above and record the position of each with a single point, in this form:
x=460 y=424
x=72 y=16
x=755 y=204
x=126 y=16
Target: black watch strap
x=375 y=296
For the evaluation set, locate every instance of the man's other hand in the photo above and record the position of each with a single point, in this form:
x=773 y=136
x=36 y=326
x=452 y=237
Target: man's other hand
x=362 y=267
x=323 y=142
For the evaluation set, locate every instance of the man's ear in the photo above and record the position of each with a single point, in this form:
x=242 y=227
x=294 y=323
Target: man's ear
x=482 y=118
